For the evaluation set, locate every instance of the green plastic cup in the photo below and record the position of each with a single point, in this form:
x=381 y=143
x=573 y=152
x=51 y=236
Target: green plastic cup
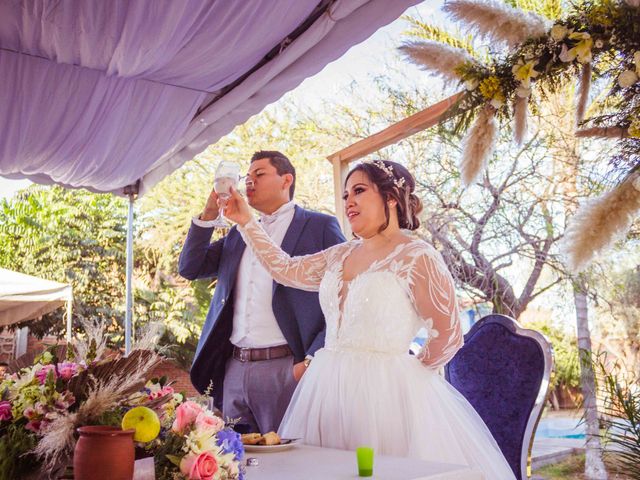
x=365 y=461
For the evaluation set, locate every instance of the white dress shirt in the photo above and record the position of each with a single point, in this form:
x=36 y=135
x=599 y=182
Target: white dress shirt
x=254 y=324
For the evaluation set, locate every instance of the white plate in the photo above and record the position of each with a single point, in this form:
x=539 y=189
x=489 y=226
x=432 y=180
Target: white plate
x=286 y=444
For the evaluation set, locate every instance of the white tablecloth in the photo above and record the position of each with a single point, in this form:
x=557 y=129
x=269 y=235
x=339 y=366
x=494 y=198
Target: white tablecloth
x=315 y=463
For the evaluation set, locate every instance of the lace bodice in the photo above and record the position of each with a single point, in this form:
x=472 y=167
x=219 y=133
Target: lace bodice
x=381 y=309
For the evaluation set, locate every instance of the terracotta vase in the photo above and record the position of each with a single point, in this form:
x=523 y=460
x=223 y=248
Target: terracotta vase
x=103 y=453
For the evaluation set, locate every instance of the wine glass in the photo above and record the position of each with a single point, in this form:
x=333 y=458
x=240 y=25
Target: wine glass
x=227 y=176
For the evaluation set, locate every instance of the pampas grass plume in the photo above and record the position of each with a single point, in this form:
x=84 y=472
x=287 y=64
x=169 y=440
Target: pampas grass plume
x=600 y=221
x=478 y=145
x=584 y=86
x=520 y=119
x=603 y=132
x=497 y=21
x=437 y=58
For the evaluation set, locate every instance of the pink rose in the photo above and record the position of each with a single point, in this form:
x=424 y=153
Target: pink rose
x=199 y=467
x=41 y=374
x=168 y=390
x=208 y=421
x=186 y=414
x=5 y=411
x=66 y=370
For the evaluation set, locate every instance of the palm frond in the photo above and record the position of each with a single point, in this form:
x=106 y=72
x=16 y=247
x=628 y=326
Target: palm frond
x=424 y=31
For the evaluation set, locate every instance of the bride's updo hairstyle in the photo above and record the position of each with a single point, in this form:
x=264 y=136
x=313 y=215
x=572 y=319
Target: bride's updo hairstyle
x=394 y=182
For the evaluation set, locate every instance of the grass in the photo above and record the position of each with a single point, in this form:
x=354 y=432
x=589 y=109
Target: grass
x=573 y=469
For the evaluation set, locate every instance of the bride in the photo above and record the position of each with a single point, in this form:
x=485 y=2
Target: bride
x=363 y=387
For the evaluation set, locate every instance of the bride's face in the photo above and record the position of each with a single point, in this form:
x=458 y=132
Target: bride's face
x=364 y=206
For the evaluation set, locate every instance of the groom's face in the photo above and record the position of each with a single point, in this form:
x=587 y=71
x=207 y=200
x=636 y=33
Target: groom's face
x=268 y=190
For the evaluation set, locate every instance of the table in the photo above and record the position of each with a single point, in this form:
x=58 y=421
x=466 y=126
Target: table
x=305 y=462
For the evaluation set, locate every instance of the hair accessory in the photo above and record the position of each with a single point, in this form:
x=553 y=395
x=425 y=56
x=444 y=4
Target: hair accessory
x=388 y=169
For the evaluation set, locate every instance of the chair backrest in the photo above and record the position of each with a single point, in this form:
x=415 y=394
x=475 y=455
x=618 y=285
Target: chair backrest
x=503 y=370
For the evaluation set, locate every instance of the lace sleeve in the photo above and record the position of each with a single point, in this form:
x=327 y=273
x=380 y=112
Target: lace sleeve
x=434 y=295
x=304 y=272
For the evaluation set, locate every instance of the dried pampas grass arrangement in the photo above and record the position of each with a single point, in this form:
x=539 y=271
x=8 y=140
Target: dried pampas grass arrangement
x=497 y=21
x=601 y=221
x=478 y=145
x=437 y=58
x=584 y=86
x=520 y=119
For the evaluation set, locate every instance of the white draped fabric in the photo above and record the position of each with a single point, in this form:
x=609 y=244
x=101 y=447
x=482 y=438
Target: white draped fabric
x=99 y=94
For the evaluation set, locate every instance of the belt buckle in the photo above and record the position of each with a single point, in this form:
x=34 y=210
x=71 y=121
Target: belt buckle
x=244 y=354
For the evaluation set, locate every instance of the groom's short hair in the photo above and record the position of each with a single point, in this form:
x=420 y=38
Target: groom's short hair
x=281 y=163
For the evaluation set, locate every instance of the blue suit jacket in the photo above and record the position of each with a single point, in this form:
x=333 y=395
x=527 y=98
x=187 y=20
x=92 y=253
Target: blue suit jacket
x=297 y=312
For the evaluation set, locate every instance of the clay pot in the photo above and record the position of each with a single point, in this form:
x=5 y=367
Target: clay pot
x=103 y=453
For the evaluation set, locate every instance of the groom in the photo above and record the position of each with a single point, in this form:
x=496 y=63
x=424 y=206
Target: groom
x=259 y=337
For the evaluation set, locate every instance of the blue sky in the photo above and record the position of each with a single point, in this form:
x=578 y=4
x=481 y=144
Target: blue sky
x=360 y=64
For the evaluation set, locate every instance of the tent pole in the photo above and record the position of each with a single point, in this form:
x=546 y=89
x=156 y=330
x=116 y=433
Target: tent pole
x=69 y=315
x=131 y=191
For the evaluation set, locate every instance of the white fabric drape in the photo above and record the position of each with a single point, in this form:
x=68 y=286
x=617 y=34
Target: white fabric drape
x=100 y=94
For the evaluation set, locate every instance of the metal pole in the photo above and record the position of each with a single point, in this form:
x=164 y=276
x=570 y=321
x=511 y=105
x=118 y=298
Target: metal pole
x=128 y=320
x=69 y=315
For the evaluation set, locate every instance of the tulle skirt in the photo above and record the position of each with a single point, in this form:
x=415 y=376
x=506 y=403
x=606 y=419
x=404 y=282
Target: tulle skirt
x=393 y=403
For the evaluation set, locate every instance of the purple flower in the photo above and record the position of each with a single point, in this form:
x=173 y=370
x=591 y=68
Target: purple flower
x=41 y=374
x=5 y=410
x=231 y=443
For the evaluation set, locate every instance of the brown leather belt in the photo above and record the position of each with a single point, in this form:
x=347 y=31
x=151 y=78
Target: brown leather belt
x=258 y=354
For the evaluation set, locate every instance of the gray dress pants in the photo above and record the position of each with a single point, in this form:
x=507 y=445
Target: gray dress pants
x=258 y=392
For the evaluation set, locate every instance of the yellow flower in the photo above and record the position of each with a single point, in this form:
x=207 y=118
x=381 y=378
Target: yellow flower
x=583 y=48
x=490 y=89
x=524 y=72
x=634 y=128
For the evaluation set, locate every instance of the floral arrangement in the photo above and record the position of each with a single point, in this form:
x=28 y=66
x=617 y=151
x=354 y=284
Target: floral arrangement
x=43 y=403
x=596 y=39
x=197 y=446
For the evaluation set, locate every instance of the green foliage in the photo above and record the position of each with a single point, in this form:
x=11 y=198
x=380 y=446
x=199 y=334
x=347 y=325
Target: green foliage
x=552 y=9
x=425 y=31
x=69 y=236
x=620 y=393
x=15 y=443
x=565 y=352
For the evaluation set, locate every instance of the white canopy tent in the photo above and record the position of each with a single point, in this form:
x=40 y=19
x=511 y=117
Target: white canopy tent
x=114 y=96
x=24 y=297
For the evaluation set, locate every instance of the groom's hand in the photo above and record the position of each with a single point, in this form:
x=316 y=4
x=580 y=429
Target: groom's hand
x=210 y=211
x=298 y=370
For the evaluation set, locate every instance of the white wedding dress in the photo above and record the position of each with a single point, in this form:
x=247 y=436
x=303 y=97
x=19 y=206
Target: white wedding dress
x=363 y=387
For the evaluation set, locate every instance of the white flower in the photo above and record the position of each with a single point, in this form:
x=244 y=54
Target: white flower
x=599 y=43
x=523 y=92
x=201 y=440
x=558 y=32
x=471 y=84
x=496 y=103
x=627 y=78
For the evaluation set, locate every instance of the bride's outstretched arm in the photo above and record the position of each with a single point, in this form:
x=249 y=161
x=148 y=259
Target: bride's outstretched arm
x=435 y=300
x=304 y=272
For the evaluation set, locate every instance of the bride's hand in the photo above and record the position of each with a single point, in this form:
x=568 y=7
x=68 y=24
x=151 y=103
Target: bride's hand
x=236 y=208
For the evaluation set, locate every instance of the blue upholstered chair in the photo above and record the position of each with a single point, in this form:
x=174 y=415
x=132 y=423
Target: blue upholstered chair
x=503 y=370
